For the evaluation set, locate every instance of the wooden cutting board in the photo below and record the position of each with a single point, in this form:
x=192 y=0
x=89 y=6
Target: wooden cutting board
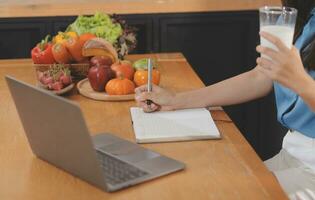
x=86 y=90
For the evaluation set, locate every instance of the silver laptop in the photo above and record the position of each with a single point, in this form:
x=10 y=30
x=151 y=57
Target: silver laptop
x=57 y=133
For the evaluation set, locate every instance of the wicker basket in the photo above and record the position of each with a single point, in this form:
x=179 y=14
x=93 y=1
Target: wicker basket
x=79 y=71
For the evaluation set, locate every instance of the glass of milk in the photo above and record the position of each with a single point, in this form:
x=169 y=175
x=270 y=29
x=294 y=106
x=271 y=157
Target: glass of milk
x=278 y=21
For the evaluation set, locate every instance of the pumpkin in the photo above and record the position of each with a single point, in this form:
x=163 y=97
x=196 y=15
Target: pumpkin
x=120 y=86
x=125 y=68
x=141 y=77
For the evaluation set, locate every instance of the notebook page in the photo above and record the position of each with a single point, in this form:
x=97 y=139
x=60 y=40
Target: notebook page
x=169 y=125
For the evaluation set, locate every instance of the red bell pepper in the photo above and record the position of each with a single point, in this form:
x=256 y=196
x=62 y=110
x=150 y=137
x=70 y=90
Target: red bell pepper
x=42 y=52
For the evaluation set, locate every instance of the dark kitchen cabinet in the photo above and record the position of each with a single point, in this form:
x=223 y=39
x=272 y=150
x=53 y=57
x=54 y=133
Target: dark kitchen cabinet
x=60 y=24
x=218 y=45
x=17 y=37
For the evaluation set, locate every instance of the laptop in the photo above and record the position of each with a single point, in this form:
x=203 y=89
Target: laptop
x=57 y=133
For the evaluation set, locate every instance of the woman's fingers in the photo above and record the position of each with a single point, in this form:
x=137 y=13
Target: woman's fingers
x=275 y=40
x=141 y=89
x=152 y=107
x=274 y=55
x=148 y=108
x=144 y=88
x=142 y=95
x=146 y=96
x=265 y=63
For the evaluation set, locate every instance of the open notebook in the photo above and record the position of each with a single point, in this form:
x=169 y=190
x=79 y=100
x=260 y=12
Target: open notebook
x=166 y=126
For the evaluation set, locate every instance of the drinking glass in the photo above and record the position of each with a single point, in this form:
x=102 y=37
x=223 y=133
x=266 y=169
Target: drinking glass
x=278 y=21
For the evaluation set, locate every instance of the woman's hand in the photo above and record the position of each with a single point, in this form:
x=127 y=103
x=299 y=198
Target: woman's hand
x=162 y=99
x=284 y=66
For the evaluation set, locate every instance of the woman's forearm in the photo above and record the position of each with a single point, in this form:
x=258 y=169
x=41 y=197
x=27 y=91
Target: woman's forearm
x=244 y=87
x=306 y=90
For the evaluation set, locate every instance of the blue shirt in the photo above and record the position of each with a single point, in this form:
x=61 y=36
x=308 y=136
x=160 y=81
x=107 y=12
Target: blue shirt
x=293 y=112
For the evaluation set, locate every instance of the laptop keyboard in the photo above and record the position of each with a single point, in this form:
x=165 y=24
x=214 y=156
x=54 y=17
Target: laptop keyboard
x=117 y=171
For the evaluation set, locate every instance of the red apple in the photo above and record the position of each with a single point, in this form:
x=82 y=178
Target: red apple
x=101 y=60
x=98 y=77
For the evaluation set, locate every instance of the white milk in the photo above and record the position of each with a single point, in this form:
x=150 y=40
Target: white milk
x=285 y=33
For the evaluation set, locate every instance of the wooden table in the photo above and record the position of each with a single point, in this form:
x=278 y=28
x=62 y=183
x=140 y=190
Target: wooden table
x=216 y=169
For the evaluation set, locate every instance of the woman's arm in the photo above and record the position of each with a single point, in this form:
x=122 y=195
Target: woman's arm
x=286 y=67
x=307 y=91
x=244 y=87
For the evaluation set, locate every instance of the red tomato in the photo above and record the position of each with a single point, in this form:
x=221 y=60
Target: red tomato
x=124 y=68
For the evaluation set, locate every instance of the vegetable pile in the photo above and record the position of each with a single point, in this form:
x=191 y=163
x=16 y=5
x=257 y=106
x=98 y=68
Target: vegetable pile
x=109 y=27
x=66 y=47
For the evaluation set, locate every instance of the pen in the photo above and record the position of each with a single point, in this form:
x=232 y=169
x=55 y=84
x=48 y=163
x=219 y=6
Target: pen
x=149 y=85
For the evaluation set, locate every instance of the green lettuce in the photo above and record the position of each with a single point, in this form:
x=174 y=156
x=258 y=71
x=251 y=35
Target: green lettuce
x=100 y=25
